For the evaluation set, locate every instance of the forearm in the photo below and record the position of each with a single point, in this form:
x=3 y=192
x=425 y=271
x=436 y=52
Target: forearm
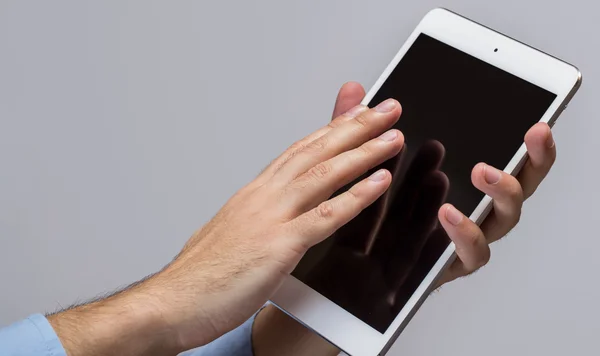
x=274 y=333
x=128 y=323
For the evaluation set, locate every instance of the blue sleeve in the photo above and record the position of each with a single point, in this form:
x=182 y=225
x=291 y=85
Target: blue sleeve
x=237 y=342
x=35 y=337
x=30 y=337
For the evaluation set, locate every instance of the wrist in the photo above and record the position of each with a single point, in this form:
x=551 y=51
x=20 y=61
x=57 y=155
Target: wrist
x=128 y=323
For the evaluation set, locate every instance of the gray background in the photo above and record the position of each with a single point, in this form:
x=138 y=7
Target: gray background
x=125 y=125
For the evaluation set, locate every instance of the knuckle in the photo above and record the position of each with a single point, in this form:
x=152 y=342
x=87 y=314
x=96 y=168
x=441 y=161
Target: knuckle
x=515 y=191
x=320 y=171
x=290 y=153
x=353 y=194
x=360 y=153
x=364 y=151
x=296 y=146
x=474 y=238
x=293 y=149
x=361 y=120
x=317 y=145
x=336 y=122
x=324 y=210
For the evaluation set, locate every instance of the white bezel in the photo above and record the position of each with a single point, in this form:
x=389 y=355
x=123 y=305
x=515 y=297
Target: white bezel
x=339 y=326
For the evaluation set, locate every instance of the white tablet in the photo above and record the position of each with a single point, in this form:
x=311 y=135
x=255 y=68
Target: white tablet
x=469 y=95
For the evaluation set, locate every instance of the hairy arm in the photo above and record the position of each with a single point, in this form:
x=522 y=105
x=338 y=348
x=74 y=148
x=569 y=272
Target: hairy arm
x=129 y=322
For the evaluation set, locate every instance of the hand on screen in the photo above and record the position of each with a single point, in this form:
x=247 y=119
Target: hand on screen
x=234 y=264
x=368 y=260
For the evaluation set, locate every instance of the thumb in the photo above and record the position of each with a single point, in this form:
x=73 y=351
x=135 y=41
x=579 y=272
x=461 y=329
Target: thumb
x=350 y=95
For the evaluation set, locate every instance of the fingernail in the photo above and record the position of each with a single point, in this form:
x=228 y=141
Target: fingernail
x=491 y=175
x=389 y=135
x=386 y=106
x=453 y=215
x=355 y=111
x=377 y=176
x=550 y=140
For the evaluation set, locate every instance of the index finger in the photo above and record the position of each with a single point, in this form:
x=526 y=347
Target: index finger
x=346 y=108
x=347 y=136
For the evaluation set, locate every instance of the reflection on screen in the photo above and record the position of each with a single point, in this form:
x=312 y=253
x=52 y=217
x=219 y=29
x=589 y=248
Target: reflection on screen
x=457 y=111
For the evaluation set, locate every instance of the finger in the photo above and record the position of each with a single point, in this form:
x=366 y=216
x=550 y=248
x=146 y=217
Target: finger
x=542 y=154
x=347 y=136
x=349 y=96
x=319 y=223
x=321 y=181
x=347 y=107
x=507 y=196
x=299 y=145
x=472 y=249
x=360 y=233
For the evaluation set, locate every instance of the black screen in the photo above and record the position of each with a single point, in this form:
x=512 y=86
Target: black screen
x=457 y=111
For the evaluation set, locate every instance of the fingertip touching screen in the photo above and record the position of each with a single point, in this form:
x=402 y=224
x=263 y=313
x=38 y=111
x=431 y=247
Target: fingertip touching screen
x=457 y=111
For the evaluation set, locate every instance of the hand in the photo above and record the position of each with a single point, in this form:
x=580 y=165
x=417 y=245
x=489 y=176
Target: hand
x=233 y=265
x=239 y=259
x=471 y=240
x=375 y=253
x=236 y=262
x=508 y=194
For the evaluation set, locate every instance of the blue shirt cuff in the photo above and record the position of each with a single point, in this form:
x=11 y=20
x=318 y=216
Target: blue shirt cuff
x=34 y=336
x=29 y=337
